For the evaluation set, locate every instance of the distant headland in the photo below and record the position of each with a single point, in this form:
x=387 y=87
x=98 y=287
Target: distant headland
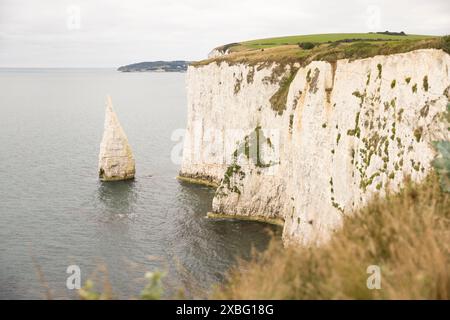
x=156 y=66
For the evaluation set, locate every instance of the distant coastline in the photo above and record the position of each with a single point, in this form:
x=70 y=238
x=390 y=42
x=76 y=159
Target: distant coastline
x=156 y=66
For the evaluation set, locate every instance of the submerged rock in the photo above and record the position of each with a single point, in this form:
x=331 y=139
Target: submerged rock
x=116 y=161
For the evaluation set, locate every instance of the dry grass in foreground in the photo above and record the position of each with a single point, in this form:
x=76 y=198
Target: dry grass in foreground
x=406 y=234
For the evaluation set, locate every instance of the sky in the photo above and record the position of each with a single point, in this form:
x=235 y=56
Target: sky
x=111 y=33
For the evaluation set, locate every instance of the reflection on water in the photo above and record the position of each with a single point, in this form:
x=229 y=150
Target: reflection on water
x=118 y=198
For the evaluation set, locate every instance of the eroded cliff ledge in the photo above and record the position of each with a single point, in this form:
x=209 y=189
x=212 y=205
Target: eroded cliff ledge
x=305 y=145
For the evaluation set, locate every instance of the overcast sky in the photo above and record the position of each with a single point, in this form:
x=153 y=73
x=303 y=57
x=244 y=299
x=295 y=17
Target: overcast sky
x=110 y=33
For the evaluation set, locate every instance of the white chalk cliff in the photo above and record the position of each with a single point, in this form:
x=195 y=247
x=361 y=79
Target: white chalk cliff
x=344 y=131
x=116 y=161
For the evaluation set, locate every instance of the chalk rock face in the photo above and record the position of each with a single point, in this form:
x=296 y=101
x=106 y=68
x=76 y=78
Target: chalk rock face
x=116 y=161
x=215 y=53
x=328 y=136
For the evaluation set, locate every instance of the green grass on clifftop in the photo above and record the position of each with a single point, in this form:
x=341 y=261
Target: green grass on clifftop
x=327 y=47
x=327 y=37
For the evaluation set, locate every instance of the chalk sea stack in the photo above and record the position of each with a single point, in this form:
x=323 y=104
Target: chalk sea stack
x=116 y=161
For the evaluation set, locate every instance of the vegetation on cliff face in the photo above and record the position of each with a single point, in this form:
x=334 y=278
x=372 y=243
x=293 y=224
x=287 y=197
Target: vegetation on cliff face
x=405 y=235
x=327 y=47
x=278 y=100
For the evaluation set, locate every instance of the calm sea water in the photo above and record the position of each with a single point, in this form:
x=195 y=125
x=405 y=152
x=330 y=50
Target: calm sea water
x=54 y=212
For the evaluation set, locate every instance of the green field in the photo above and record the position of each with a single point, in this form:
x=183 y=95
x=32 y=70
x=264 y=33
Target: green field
x=327 y=37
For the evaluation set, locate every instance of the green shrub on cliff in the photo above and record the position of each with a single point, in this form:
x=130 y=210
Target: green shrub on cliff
x=306 y=45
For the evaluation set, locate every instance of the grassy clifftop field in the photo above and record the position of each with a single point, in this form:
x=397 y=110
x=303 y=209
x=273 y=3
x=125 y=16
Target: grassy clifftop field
x=329 y=37
x=327 y=47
